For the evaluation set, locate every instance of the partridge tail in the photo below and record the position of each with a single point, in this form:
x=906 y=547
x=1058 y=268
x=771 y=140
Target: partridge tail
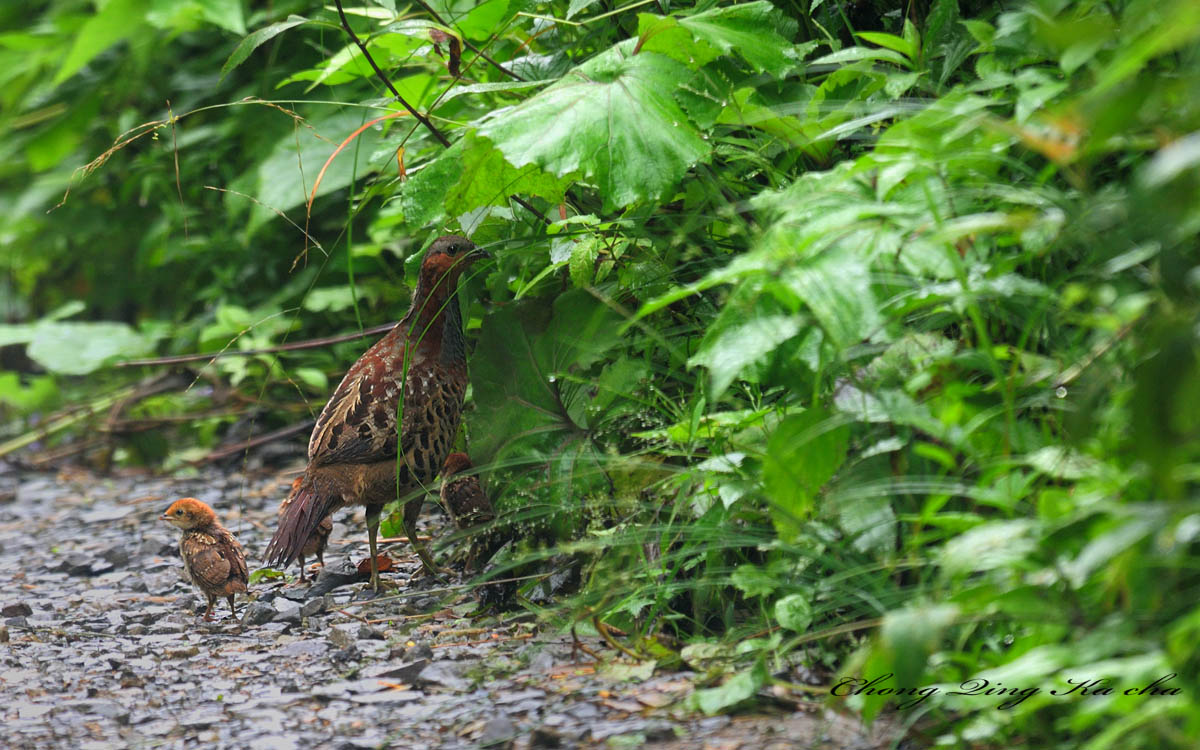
x=304 y=511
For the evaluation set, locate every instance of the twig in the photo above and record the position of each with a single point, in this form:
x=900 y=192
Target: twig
x=602 y=629
x=307 y=344
x=521 y=637
x=232 y=450
x=419 y=117
x=468 y=44
x=380 y=74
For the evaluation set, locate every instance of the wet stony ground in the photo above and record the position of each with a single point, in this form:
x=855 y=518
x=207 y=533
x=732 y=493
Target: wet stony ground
x=101 y=646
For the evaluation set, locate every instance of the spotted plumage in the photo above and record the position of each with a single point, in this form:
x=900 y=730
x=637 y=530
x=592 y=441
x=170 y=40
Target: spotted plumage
x=413 y=378
x=468 y=505
x=212 y=558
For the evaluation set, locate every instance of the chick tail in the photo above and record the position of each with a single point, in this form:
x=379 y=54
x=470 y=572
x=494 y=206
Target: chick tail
x=304 y=510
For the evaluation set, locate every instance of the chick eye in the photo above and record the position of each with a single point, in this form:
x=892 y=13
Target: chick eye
x=179 y=512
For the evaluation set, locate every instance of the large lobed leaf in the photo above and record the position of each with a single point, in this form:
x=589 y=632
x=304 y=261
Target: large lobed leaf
x=612 y=120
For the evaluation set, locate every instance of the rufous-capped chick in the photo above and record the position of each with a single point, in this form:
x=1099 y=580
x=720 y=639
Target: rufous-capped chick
x=318 y=540
x=212 y=558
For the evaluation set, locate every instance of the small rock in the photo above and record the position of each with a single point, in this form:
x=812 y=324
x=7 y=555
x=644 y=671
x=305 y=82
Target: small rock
x=314 y=607
x=348 y=654
x=186 y=652
x=75 y=564
x=288 y=613
x=258 y=613
x=16 y=622
x=545 y=737
x=117 y=555
x=498 y=730
x=542 y=661
x=406 y=672
x=420 y=651
x=19 y=609
x=368 y=633
x=343 y=635
x=444 y=674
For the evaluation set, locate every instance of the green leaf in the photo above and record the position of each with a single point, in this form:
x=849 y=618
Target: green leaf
x=836 y=288
x=794 y=612
x=523 y=401
x=80 y=348
x=469 y=175
x=115 y=21
x=256 y=39
x=226 y=14
x=582 y=265
x=997 y=544
x=726 y=354
x=803 y=454
x=741 y=687
x=890 y=41
x=613 y=120
x=909 y=636
x=753 y=581
x=751 y=30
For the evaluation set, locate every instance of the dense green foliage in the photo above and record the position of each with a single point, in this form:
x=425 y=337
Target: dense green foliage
x=843 y=334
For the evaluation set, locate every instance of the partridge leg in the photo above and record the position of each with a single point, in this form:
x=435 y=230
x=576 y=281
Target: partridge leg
x=301 y=567
x=372 y=532
x=411 y=512
x=232 y=611
x=212 y=601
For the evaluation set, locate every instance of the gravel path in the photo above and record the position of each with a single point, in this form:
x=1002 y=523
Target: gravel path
x=101 y=647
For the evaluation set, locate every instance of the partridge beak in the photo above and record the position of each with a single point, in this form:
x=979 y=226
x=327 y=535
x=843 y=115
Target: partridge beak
x=480 y=254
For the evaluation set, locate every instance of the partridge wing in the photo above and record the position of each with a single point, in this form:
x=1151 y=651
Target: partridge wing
x=358 y=425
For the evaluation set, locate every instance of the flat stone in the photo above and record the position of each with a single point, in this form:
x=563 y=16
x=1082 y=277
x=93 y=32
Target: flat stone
x=258 y=613
x=406 y=672
x=443 y=674
x=17 y=609
x=497 y=730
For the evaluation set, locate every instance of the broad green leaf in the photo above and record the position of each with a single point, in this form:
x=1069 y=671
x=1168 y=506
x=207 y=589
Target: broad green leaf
x=80 y=348
x=736 y=347
x=794 y=612
x=116 y=20
x=803 y=454
x=224 y=13
x=741 y=687
x=836 y=288
x=469 y=175
x=909 y=636
x=522 y=397
x=993 y=545
x=257 y=39
x=750 y=30
x=612 y=120
x=578 y=6
x=753 y=581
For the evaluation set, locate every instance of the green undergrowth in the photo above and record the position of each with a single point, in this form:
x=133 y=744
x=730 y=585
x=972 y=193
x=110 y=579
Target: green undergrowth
x=830 y=343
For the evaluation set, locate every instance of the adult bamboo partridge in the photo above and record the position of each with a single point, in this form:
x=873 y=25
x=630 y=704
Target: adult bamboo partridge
x=413 y=378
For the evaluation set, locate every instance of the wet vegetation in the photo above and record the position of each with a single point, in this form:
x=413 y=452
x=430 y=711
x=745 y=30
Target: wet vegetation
x=824 y=341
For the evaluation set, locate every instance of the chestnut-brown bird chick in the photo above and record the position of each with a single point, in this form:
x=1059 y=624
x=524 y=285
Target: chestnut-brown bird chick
x=212 y=558
x=464 y=499
x=318 y=540
x=389 y=425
